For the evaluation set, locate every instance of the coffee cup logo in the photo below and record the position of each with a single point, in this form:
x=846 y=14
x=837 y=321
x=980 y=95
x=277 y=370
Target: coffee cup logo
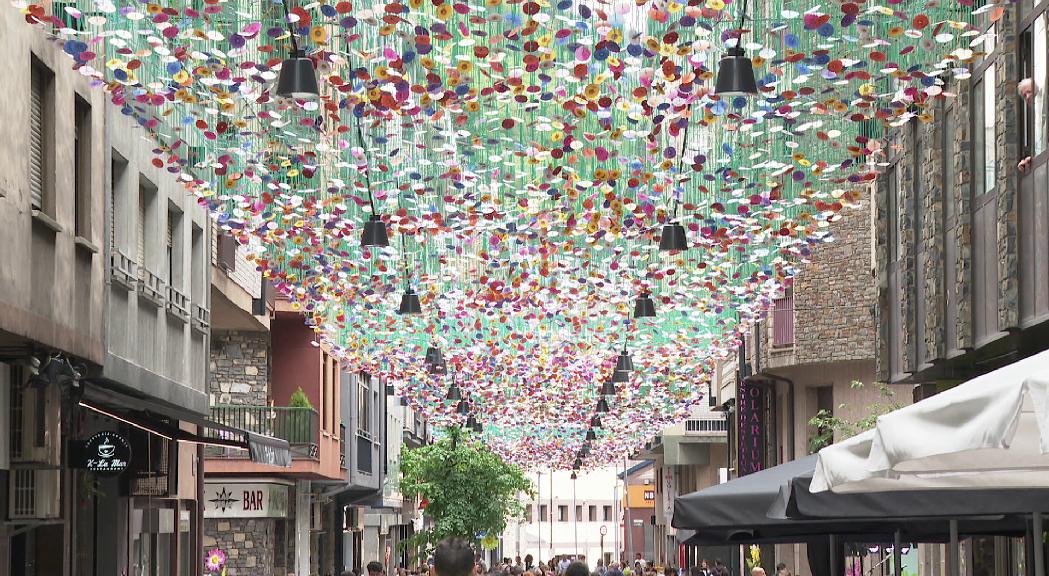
x=106 y=449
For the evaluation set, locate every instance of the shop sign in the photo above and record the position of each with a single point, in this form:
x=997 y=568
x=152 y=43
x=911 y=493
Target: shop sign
x=750 y=401
x=106 y=453
x=245 y=500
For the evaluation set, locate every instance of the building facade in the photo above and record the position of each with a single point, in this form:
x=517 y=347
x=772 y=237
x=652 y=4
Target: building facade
x=555 y=523
x=962 y=208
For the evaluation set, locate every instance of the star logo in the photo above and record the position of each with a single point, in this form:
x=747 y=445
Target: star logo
x=223 y=499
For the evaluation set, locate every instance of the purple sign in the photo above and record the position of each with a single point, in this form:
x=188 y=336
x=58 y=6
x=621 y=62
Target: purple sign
x=750 y=400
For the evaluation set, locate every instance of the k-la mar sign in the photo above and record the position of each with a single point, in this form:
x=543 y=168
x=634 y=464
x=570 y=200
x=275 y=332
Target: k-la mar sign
x=245 y=500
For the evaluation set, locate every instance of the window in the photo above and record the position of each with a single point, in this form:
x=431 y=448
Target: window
x=984 y=151
x=82 y=168
x=528 y=514
x=197 y=285
x=117 y=191
x=579 y=513
x=1035 y=80
x=41 y=134
x=173 y=248
x=363 y=403
x=542 y=512
x=592 y=516
x=562 y=513
x=606 y=513
x=783 y=320
x=146 y=196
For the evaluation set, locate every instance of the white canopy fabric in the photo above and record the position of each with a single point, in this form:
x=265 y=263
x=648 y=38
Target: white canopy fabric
x=992 y=431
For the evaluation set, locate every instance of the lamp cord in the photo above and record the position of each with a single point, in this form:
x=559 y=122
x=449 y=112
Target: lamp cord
x=291 y=31
x=742 y=17
x=367 y=161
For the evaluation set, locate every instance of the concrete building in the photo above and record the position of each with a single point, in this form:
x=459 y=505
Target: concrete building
x=686 y=457
x=639 y=511
x=556 y=523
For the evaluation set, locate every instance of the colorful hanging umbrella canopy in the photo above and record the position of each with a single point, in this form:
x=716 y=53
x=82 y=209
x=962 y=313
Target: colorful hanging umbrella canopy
x=525 y=155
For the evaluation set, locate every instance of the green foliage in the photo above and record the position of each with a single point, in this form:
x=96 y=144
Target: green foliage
x=299 y=400
x=468 y=488
x=828 y=426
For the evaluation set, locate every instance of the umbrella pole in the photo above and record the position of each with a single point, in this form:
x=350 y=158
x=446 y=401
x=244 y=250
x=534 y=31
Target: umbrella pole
x=954 y=551
x=1039 y=559
x=897 y=554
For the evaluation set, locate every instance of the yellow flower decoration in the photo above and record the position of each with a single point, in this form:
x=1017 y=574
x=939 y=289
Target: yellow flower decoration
x=444 y=11
x=716 y=4
x=464 y=66
x=318 y=34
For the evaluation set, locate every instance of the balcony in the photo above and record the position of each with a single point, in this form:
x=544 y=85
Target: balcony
x=299 y=426
x=698 y=426
x=783 y=322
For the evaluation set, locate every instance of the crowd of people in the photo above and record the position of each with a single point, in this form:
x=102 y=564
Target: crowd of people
x=455 y=557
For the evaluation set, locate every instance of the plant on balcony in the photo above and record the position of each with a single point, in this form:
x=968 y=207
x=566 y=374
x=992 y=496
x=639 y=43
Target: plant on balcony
x=297 y=422
x=469 y=491
x=828 y=427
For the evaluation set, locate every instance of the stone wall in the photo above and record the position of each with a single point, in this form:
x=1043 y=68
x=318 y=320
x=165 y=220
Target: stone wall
x=247 y=542
x=239 y=368
x=834 y=294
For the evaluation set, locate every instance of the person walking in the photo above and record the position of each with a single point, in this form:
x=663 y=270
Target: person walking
x=453 y=557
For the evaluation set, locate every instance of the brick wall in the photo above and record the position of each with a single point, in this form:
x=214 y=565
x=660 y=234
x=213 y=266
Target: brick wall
x=239 y=368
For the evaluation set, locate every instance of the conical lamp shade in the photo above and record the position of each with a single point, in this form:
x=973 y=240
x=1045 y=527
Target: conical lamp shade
x=471 y=422
x=673 y=237
x=439 y=367
x=453 y=393
x=463 y=407
x=624 y=363
x=590 y=435
x=410 y=303
x=433 y=355
x=578 y=463
x=644 y=307
x=297 y=77
x=478 y=427
x=608 y=388
x=375 y=232
x=602 y=406
x=620 y=376
x=735 y=74
x=595 y=422
x=574 y=474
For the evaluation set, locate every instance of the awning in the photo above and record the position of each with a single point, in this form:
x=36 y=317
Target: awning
x=149 y=414
x=992 y=431
x=750 y=510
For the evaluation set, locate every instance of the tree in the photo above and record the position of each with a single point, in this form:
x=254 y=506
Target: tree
x=468 y=489
x=828 y=426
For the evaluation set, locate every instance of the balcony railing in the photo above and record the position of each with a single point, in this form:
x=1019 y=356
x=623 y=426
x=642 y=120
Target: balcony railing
x=701 y=425
x=299 y=426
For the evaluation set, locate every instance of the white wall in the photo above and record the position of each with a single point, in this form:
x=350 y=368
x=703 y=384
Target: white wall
x=596 y=488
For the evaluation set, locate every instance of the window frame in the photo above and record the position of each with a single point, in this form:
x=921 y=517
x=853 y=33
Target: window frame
x=1025 y=46
x=83 y=165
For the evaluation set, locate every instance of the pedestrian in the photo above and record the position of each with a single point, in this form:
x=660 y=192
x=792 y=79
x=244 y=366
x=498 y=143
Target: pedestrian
x=613 y=570
x=757 y=571
x=576 y=569
x=453 y=557
x=562 y=566
x=782 y=570
x=375 y=569
x=529 y=562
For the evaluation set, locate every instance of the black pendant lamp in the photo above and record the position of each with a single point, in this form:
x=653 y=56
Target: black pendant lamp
x=736 y=71
x=577 y=464
x=602 y=406
x=375 y=232
x=590 y=435
x=297 y=77
x=471 y=422
x=463 y=408
x=644 y=307
x=624 y=363
x=453 y=393
x=620 y=377
x=673 y=237
x=595 y=422
x=374 y=229
x=609 y=387
x=574 y=473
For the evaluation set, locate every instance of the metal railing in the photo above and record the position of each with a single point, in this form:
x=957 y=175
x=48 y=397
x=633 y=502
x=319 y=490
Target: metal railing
x=300 y=427
x=697 y=425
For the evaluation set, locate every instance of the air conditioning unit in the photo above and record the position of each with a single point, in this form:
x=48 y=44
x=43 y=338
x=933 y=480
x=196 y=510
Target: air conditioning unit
x=33 y=494
x=35 y=422
x=353 y=519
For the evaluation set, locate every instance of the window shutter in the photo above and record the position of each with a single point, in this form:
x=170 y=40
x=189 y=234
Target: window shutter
x=140 y=237
x=36 y=139
x=169 y=250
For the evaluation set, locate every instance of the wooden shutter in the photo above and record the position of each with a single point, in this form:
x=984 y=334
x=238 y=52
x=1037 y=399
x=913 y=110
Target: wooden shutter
x=37 y=161
x=169 y=249
x=140 y=236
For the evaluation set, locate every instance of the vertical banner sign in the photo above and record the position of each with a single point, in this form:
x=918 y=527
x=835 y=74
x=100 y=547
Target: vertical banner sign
x=750 y=398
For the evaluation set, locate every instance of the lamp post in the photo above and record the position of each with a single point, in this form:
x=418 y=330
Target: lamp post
x=628 y=553
x=575 y=523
